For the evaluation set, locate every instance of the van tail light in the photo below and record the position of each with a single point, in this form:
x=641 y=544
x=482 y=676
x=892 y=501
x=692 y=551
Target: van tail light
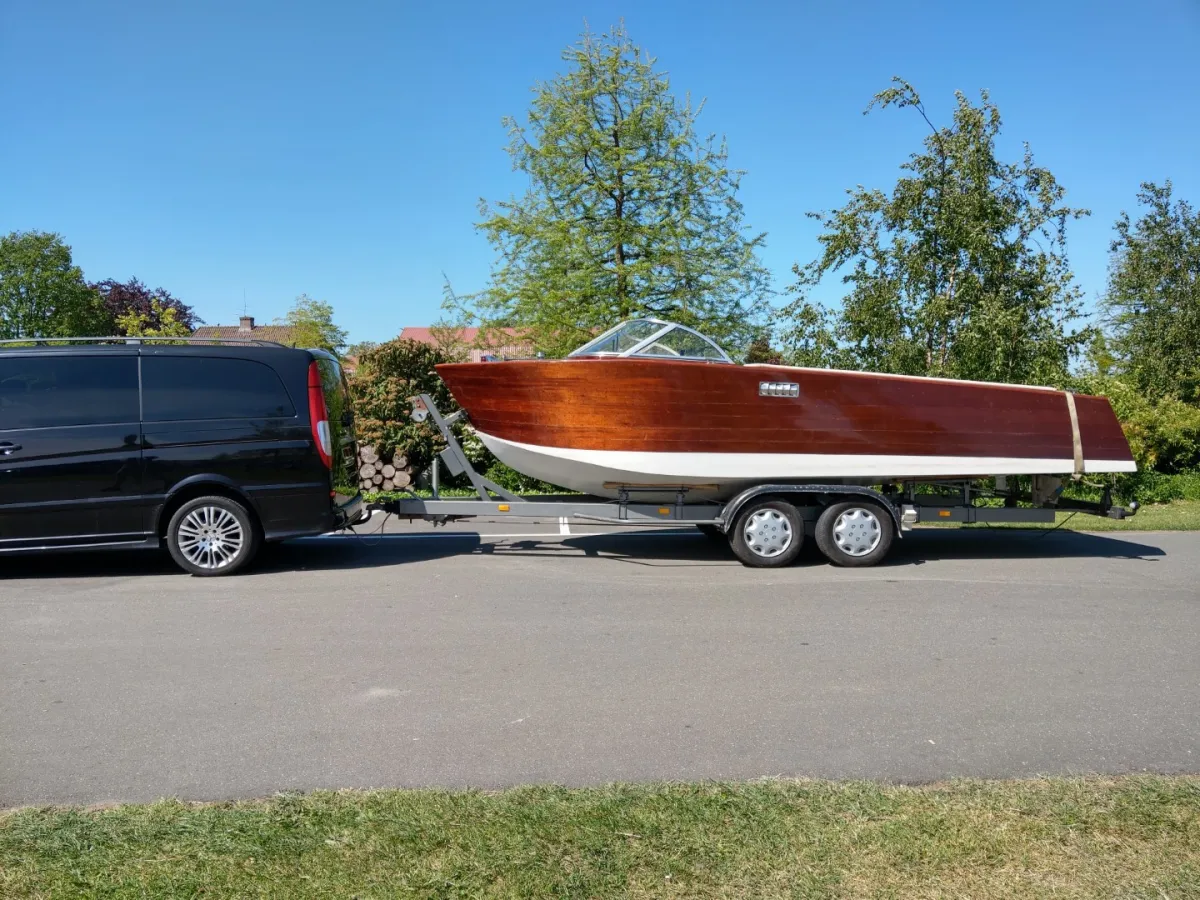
x=318 y=415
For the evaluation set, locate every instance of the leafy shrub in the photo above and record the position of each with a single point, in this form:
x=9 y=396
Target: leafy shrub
x=1155 y=487
x=387 y=376
x=1144 y=486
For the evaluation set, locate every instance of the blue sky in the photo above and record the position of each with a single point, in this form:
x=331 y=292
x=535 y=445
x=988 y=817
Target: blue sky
x=221 y=148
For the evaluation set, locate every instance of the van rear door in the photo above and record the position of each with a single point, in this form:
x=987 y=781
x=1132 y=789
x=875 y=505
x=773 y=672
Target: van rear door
x=344 y=473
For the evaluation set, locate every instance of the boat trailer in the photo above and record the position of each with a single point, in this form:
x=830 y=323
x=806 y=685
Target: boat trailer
x=764 y=524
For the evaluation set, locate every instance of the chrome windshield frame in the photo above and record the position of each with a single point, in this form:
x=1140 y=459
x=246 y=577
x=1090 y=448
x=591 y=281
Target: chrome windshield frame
x=641 y=345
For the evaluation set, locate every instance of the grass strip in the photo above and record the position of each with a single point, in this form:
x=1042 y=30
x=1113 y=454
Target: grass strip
x=1180 y=515
x=1135 y=837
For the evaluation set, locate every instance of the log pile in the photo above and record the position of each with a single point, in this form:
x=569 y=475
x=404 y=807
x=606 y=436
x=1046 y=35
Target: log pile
x=379 y=474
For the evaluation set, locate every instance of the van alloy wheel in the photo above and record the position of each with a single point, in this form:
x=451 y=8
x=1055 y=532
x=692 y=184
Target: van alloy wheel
x=211 y=538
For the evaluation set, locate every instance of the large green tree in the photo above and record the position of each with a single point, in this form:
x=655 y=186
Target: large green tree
x=1153 y=297
x=313 y=327
x=43 y=293
x=628 y=210
x=961 y=270
x=150 y=310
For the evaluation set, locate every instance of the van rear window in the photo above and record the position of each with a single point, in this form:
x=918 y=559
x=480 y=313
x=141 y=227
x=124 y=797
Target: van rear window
x=179 y=388
x=58 y=391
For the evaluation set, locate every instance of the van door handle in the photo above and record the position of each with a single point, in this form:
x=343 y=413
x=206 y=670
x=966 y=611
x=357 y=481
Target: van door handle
x=7 y=448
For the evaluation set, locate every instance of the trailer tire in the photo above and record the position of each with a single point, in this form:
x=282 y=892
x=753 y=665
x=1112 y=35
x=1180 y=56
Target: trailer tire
x=768 y=534
x=855 y=533
x=212 y=536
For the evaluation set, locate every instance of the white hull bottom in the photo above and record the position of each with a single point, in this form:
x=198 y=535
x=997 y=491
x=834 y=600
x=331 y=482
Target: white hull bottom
x=725 y=474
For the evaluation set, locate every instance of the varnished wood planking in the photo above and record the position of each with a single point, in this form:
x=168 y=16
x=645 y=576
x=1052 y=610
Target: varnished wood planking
x=680 y=406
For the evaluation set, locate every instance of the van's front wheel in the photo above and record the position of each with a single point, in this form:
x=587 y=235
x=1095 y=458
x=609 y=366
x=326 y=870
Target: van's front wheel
x=212 y=536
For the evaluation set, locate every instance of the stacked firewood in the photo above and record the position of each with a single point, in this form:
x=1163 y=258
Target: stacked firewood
x=379 y=474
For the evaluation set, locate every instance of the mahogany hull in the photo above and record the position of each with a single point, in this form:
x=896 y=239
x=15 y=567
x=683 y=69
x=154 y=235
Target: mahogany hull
x=590 y=424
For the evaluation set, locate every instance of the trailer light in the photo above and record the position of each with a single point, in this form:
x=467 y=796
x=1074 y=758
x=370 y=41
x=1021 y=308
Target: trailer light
x=664 y=511
x=503 y=507
x=944 y=513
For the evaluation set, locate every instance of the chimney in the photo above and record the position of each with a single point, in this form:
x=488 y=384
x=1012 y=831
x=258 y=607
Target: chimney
x=245 y=324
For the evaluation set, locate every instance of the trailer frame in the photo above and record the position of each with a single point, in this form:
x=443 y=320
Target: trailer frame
x=905 y=504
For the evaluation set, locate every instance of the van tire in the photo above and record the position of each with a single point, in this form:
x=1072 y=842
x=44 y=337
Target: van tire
x=212 y=536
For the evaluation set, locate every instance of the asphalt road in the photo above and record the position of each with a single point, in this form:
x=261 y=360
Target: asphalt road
x=542 y=657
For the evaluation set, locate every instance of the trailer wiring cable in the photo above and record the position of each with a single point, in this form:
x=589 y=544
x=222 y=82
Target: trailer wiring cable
x=377 y=534
x=1058 y=526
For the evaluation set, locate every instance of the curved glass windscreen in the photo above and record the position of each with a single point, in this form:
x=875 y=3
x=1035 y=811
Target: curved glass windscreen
x=653 y=338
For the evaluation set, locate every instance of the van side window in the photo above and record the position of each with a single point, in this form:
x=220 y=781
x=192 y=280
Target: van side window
x=57 y=391
x=177 y=388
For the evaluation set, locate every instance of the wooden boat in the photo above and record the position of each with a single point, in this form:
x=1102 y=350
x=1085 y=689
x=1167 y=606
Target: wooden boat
x=656 y=406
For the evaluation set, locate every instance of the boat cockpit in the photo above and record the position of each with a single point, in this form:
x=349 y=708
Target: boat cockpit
x=652 y=339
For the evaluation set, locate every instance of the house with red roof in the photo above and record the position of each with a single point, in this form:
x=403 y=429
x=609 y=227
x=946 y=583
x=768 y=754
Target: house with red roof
x=246 y=330
x=511 y=349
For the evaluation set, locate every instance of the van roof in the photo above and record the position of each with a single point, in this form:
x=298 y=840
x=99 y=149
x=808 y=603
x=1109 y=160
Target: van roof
x=182 y=346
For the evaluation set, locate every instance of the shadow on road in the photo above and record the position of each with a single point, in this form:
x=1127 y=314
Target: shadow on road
x=926 y=544
x=681 y=547
x=916 y=547
x=295 y=556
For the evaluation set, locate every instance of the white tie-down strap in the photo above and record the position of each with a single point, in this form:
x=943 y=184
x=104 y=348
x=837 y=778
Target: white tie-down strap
x=1076 y=441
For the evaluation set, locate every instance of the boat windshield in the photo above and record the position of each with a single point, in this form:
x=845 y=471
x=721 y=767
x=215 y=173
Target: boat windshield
x=653 y=338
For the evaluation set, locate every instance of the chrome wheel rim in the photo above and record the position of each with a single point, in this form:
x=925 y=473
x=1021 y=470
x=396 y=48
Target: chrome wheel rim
x=857 y=531
x=211 y=537
x=767 y=533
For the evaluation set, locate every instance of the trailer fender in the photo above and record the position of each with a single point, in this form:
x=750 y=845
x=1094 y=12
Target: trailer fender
x=731 y=509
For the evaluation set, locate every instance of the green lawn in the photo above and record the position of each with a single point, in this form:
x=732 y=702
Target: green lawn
x=1135 y=837
x=1179 y=515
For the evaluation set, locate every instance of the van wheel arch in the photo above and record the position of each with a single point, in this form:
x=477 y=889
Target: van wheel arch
x=200 y=488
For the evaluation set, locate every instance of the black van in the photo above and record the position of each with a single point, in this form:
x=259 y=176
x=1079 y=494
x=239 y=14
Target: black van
x=209 y=447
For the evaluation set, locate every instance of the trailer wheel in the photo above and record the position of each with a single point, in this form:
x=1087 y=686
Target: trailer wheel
x=855 y=533
x=768 y=534
x=212 y=536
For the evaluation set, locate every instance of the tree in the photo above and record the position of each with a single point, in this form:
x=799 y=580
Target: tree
x=360 y=347
x=761 y=351
x=132 y=301
x=42 y=292
x=160 y=320
x=961 y=271
x=312 y=326
x=629 y=212
x=1153 y=297
x=809 y=337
